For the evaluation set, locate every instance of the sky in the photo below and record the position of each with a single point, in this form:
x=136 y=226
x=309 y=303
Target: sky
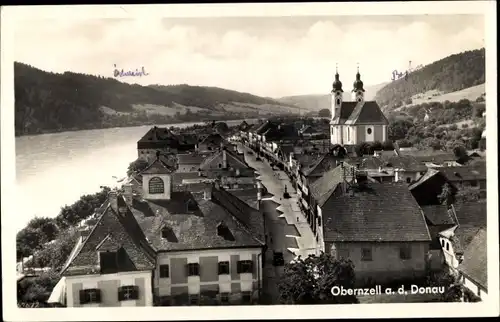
x=266 y=56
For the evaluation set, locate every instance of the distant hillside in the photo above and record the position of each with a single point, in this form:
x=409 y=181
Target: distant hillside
x=451 y=74
x=50 y=102
x=320 y=101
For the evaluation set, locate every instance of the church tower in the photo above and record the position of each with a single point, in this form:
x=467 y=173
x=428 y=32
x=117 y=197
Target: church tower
x=358 y=91
x=336 y=96
x=336 y=104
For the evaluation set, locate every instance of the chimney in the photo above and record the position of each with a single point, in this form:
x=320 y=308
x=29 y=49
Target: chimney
x=128 y=193
x=207 y=192
x=113 y=200
x=224 y=159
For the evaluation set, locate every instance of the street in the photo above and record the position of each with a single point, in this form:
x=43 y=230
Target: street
x=286 y=227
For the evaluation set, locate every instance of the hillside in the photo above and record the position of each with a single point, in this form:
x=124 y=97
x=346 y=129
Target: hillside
x=451 y=74
x=49 y=102
x=316 y=102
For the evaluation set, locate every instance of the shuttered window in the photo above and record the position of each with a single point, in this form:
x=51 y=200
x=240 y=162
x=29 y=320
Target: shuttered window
x=88 y=296
x=130 y=292
x=245 y=267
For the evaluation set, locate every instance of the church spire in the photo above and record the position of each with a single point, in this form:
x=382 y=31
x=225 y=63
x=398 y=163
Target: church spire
x=337 y=84
x=358 y=84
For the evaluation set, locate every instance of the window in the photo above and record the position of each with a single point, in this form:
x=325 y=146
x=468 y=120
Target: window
x=473 y=183
x=194 y=299
x=224 y=298
x=193 y=269
x=405 y=252
x=408 y=180
x=338 y=101
x=223 y=268
x=343 y=253
x=164 y=271
x=128 y=293
x=366 y=254
x=246 y=297
x=108 y=262
x=191 y=205
x=447 y=246
x=245 y=267
x=220 y=165
x=90 y=296
x=442 y=243
x=156 y=186
x=369 y=130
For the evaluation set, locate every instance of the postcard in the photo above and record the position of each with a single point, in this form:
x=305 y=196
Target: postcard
x=235 y=161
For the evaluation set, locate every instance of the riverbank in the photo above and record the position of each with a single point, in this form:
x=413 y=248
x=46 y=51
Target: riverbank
x=130 y=125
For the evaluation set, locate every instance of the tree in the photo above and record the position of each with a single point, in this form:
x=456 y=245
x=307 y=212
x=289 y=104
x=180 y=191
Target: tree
x=467 y=194
x=137 y=166
x=376 y=146
x=310 y=280
x=460 y=152
x=387 y=146
x=324 y=113
x=403 y=143
x=447 y=196
x=47 y=227
x=362 y=148
x=398 y=129
x=454 y=290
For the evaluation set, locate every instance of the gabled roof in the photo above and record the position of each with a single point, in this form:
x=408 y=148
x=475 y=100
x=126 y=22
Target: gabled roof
x=438 y=215
x=473 y=172
x=113 y=231
x=407 y=163
x=281 y=132
x=433 y=156
x=474 y=263
x=187 y=138
x=233 y=161
x=198 y=229
x=213 y=139
x=157 y=167
x=305 y=160
x=262 y=128
x=346 y=110
x=375 y=213
x=323 y=188
x=190 y=158
x=472 y=213
x=158 y=134
x=367 y=112
x=327 y=162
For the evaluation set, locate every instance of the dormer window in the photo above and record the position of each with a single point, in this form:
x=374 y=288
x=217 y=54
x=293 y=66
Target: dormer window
x=191 y=205
x=156 y=186
x=224 y=232
x=108 y=262
x=169 y=234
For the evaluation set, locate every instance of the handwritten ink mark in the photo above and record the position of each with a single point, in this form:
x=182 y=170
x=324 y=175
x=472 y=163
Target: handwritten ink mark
x=136 y=73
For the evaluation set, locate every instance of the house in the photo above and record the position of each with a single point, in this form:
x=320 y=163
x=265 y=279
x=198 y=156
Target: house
x=389 y=168
x=427 y=189
x=210 y=143
x=473 y=176
x=379 y=227
x=357 y=121
x=432 y=158
x=190 y=162
x=442 y=223
x=168 y=247
x=157 y=139
x=474 y=268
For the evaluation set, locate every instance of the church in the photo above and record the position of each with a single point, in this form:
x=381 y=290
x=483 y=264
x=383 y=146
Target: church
x=356 y=121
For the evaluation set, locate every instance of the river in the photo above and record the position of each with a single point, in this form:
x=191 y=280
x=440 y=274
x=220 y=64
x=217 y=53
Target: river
x=53 y=170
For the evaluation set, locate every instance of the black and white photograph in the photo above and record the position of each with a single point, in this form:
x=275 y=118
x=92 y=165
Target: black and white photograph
x=307 y=160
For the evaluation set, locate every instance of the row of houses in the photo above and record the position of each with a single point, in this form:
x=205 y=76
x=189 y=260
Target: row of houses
x=188 y=232
x=384 y=211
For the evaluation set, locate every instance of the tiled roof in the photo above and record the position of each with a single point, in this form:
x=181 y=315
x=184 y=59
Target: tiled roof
x=190 y=158
x=178 y=177
x=157 y=167
x=408 y=163
x=305 y=160
x=158 y=134
x=472 y=213
x=464 y=235
x=187 y=138
x=473 y=172
x=213 y=139
x=438 y=215
x=322 y=188
x=474 y=263
x=377 y=212
x=116 y=231
x=198 y=229
x=327 y=162
x=367 y=113
x=431 y=156
x=233 y=161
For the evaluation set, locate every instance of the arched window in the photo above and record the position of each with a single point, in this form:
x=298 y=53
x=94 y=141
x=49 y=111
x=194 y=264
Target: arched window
x=338 y=101
x=156 y=185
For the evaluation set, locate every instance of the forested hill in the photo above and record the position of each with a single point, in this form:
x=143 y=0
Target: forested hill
x=50 y=102
x=449 y=74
